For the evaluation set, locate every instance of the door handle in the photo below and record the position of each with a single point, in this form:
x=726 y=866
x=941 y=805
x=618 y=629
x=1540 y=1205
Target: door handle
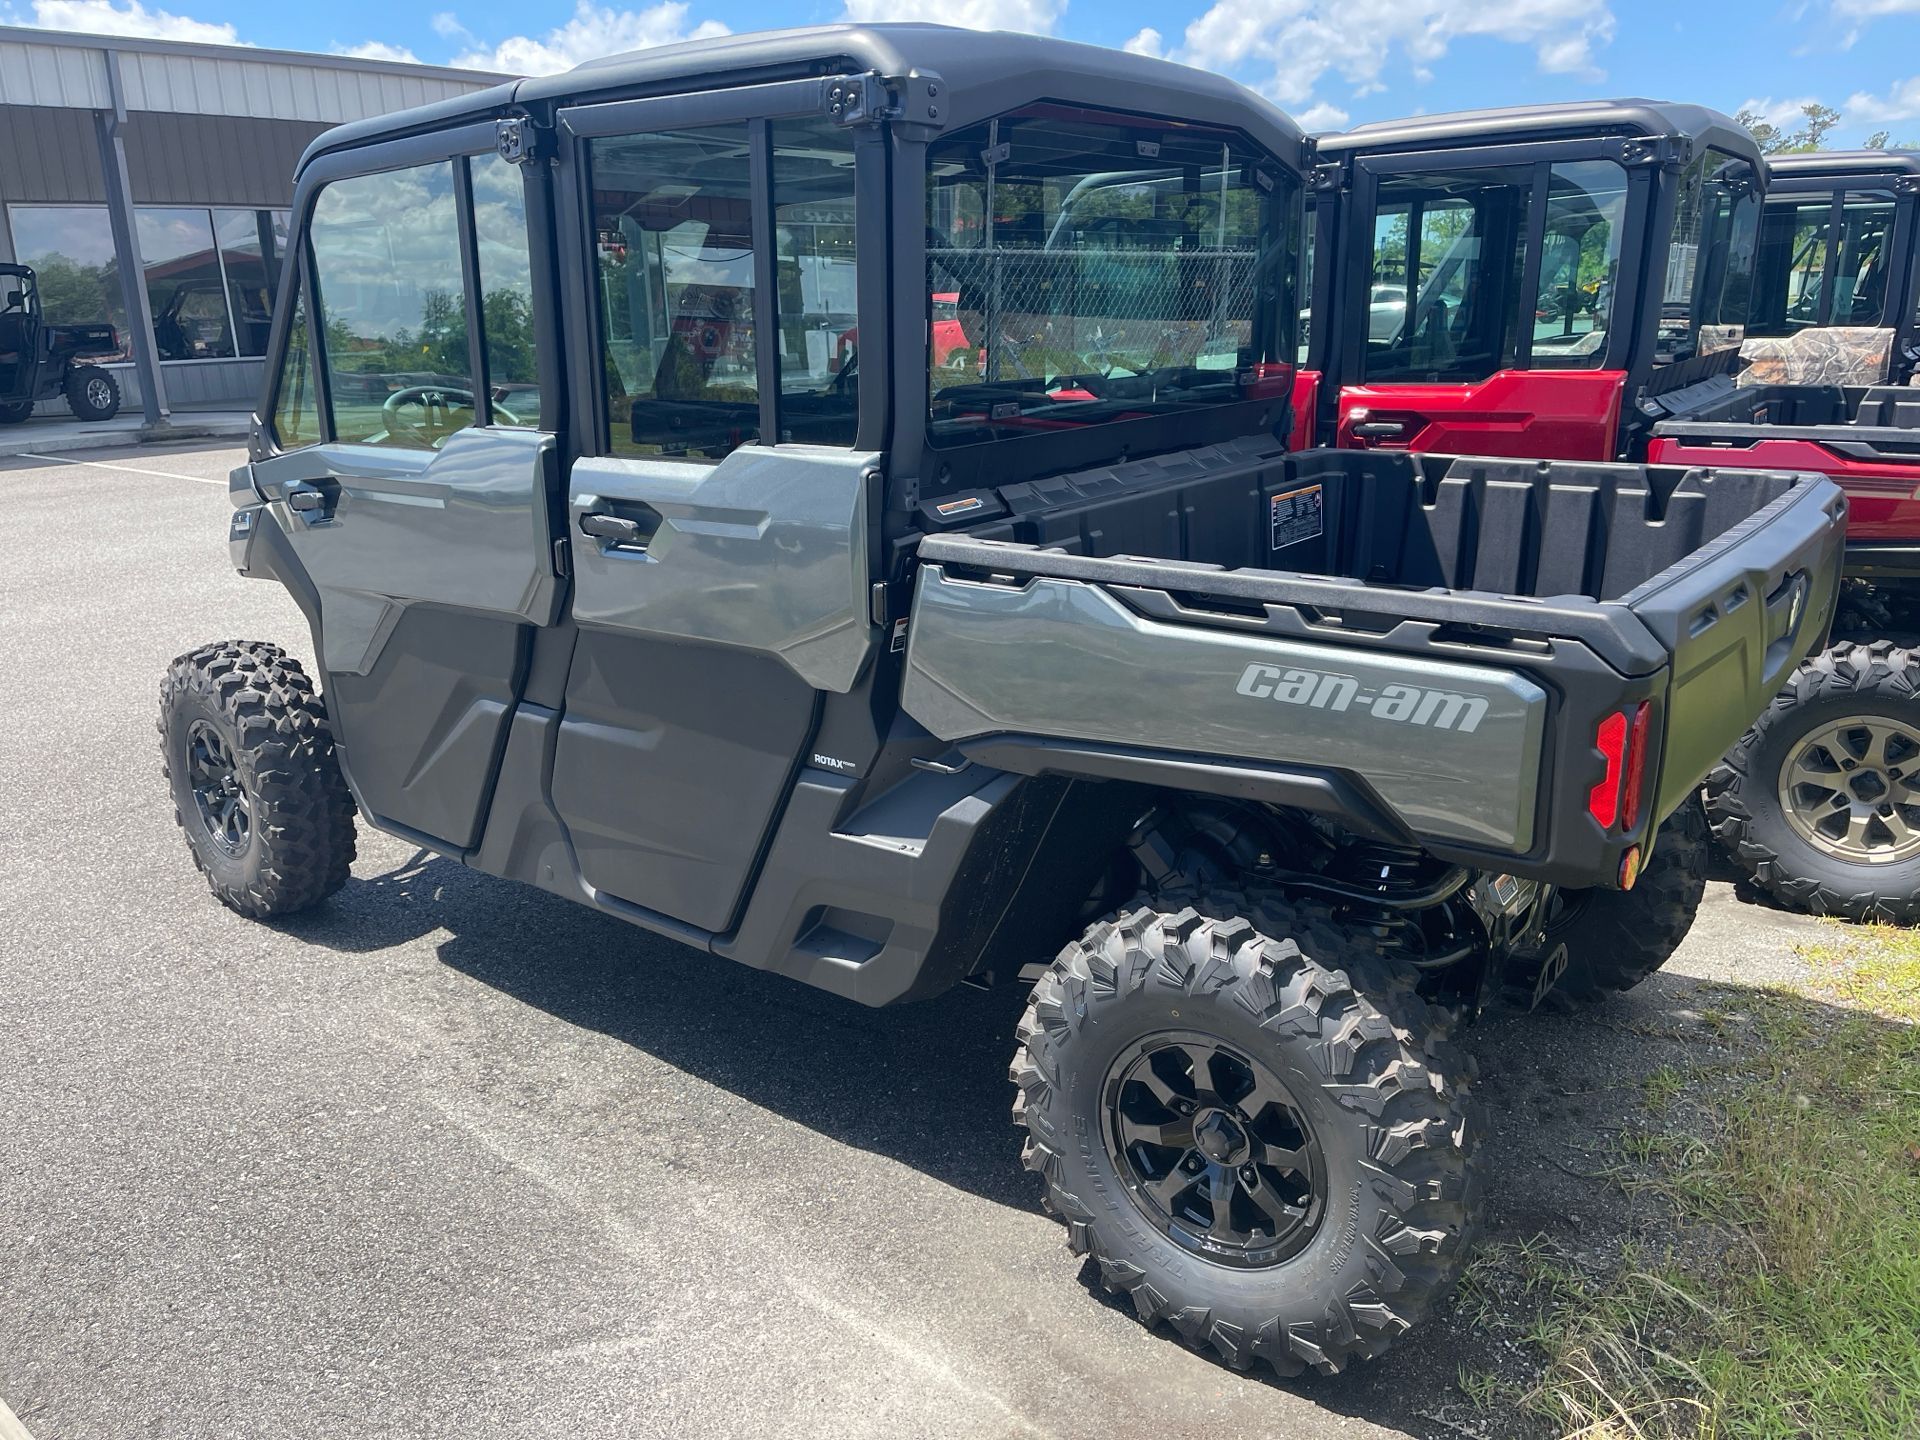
x=1380 y=430
x=618 y=529
x=309 y=501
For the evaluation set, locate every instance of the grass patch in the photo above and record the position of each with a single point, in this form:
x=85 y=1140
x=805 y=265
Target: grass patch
x=1792 y=1306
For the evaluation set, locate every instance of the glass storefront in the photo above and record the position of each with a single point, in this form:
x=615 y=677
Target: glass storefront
x=209 y=273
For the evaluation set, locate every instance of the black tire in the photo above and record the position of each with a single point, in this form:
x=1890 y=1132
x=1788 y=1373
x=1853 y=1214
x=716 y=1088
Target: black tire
x=1875 y=682
x=275 y=834
x=1322 y=1008
x=92 y=393
x=1617 y=938
x=15 y=412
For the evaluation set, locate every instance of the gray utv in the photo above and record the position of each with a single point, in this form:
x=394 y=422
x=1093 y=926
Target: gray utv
x=825 y=497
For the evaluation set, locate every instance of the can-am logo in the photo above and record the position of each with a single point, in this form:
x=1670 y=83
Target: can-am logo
x=1325 y=690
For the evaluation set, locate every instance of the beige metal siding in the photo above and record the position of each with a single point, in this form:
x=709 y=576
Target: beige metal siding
x=41 y=74
x=278 y=90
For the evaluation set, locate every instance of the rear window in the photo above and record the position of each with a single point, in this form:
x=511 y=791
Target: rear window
x=1084 y=267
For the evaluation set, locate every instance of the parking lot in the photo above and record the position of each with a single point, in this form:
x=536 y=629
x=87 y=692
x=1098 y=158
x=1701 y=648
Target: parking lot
x=454 y=1157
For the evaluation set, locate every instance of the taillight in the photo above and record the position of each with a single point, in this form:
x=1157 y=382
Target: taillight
x=1603 y=801
x=1621 y=739
x=1636 y=764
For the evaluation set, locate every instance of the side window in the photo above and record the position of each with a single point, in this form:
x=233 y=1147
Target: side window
x=1790 y=267
x=1860 y=279
x=185 y=289
x=506 y=290
x=1443 y=296
x=673 y=237
x=813 y=226
x=296 y=417
x=386 y=256
x=1579 y=265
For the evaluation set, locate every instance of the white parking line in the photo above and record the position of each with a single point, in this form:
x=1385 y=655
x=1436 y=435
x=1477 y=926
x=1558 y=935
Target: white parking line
x=10 y=1426
x=219 y=480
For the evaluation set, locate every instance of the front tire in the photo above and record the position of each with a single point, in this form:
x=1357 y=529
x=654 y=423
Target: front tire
x=256 y=788
x=15 y=412
x=92 y=393
x=1820 y=800
x=1242 y=1117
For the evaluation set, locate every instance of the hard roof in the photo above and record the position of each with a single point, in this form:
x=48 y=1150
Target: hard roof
x=983 y=72
x=1845 y=163
x=1557 y=121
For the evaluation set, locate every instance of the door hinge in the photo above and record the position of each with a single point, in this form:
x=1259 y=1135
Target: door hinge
x=877 y=603
x=916 y=98
x=519 y=140
x=1328 y=177
x=1675 y=151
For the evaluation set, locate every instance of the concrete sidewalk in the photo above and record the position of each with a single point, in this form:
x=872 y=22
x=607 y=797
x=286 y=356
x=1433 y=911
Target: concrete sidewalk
x=51 y=435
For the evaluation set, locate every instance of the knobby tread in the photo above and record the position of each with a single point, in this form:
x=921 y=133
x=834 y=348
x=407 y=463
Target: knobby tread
x=1742 y=807
x=1305 y=979
x=283 y=746
x=1617 y=938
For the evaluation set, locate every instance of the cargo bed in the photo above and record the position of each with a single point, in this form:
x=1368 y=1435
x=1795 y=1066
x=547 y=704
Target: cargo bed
x=1423 y=647
x=1866 y=438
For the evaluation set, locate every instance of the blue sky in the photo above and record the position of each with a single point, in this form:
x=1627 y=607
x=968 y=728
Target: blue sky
x=1328 y=62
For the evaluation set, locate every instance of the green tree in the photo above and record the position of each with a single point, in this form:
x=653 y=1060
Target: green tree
x=1818 y=122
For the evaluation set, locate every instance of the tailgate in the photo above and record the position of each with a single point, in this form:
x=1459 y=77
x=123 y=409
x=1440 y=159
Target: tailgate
x=1737 y=616
x=1453 y=750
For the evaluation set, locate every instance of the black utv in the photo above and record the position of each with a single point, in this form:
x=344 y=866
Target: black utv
x=39 y=361
x=755 y=621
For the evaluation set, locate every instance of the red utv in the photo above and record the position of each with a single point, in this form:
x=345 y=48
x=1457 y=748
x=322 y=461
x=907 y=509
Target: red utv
x=1581 y=281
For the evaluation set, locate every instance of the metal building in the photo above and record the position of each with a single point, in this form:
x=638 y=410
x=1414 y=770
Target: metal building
x=147 y=182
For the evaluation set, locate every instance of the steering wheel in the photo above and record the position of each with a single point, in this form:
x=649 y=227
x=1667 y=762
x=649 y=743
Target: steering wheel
x=436 y=405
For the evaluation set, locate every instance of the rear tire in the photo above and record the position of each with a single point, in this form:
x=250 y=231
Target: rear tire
x=15 y=412
x=92 y=393
x=1617 y=938
x=1846 y=841
x=1338 y=1053
x=256 y=788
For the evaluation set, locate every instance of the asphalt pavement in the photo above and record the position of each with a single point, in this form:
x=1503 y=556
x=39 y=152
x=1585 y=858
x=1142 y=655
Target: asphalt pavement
x=453 y=1157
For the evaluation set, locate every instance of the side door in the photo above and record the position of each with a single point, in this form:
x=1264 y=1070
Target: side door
x=724 y=257
x=1478 y=301
x=410 y=470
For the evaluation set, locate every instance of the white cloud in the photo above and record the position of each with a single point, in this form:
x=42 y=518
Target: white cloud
x=594 y=32
x=1305 y=40
x=103 y=17
x=1781 y=114
x=1900 y=103
x=1147 y=42
x=378 y=50
x=447 y=25
x=1323 y=116
x=1036 y=17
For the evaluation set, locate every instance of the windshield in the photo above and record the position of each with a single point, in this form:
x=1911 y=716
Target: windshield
x=1102 y=268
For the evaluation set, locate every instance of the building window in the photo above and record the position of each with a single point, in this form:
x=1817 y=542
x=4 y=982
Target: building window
x=209 y=275
x=251 y=243
x=186 y=294
x=70 y=248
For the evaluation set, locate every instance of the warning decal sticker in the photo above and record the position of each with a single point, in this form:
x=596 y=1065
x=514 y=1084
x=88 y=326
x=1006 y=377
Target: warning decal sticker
x=1297 y=515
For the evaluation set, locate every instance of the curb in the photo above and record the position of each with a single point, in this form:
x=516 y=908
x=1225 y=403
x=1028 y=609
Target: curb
x=99 y=439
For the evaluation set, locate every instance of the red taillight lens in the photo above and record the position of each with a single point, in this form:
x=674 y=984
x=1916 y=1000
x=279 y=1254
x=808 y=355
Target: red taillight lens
x=1603 y=801
x=1621 y=740
x=1636 y=763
